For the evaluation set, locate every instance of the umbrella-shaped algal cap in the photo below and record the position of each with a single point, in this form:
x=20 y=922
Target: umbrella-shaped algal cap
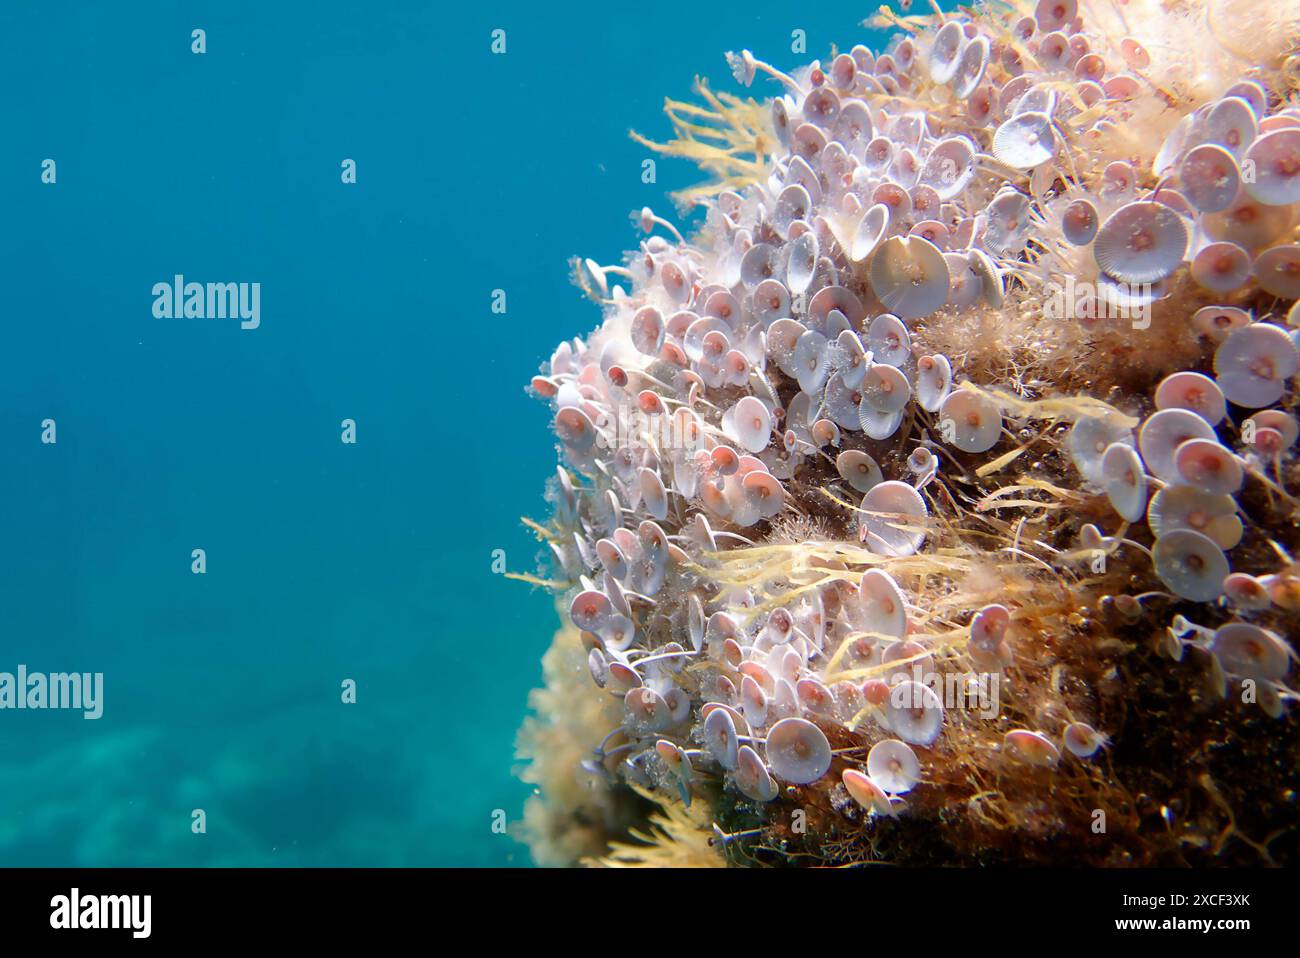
x=779 y=627
x=1176 y=143
x=1187 y=507
x=1247 y=222
x=1135 y=55
x=1250 y=91
x=1114 y=294
x=949 y=166
x=1230 y=122
x=1217 y=323
x=706 y=338
x=1207 y=466
x=1054 y=14
x=894 y=198
x=907 y=654
x=874 y=692
x=770 y=301
x=679 y=703
x=1246 y=592
x=590 y=610
x=1221 y=267
x=1124 y=481
x=910 y=276
x=1278 y=270
x=695 y=614
x=759 y=263
x=1118 y=179
x=1251 y=652
x=863 y=790
x=802 y=263
x=894 y=766
x=830 y=299
x=843 y=402
x=720 y=737
x=914 y=713
x=885 y=390
x=979 y=105
x=752 y=777
x=869 y=232
x=924 y=464
x=618 y=632
x=575 y=429
x=1194 y=391
x=1276 y=157
x=933 y=381
x=1079 y=222
x=792 y=204
x=811 y=361
x=612 y=558
x=764 y=493
x=888 y=340
x=753 y=700
x=1191 y=565
x=749 y=423
x=1087 y=441
x=646 y=708
x=1209 y=178
x=1082 y=740
x=1034 y=748
x=798 y=751
x=853 y=127
x=1162 y=434
x=884 y=610
x=815 y=697
x=647 y=330
x=988 y=627
x=1268 y=442
x=598 y=666
x=821 y=107
x=891 y=513
x=1283 y=423
x=621 y=678
x=1025 y=141
x=1120 y=87
x=971 y=67
x=826 y=433
x=782 y=341
x=653 y=494
x=674 y=758
x=858 y=469
x=1254 y=363
x=945 y=53
x=851 y=358
x=975 y=421
x=1142 y=242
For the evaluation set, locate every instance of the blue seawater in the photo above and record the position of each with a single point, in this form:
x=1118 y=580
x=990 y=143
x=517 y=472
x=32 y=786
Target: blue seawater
x=326 y=561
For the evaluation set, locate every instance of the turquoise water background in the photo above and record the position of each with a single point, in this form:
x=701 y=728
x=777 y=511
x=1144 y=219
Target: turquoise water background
x=325 y=561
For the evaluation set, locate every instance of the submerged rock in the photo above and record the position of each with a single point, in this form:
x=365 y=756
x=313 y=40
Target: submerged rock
x=963 y=423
